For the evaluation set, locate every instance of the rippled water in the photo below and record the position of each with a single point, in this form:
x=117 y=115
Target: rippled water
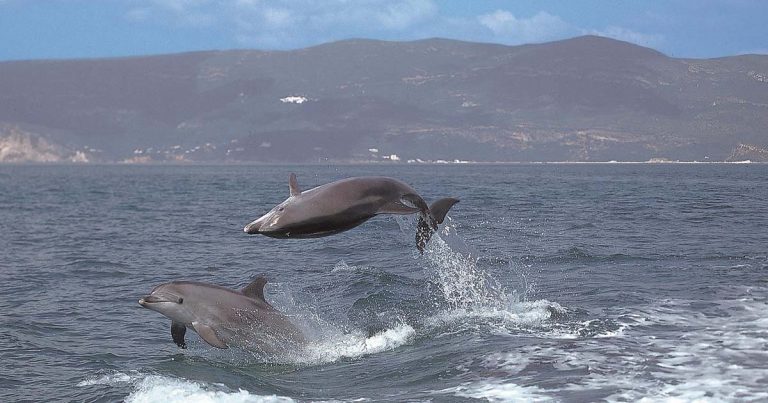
x=549 y=282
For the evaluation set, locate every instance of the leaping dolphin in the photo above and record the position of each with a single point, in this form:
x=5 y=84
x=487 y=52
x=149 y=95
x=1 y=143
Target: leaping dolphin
x=223 y=317
x=338 y=206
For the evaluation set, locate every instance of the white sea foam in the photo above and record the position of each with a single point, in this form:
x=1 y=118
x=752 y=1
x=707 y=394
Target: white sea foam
x=717 y=357
x=155 y=388
x=326 y=344
x=329 y=342
x=474 y=298
x=110 y=379
x=499 y=392
x=342 y=266
x=355 y=344
x=515 y=316
x=294 y=99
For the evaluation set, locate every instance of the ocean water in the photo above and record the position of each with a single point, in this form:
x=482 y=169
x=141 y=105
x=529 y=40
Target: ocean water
x=547 y=283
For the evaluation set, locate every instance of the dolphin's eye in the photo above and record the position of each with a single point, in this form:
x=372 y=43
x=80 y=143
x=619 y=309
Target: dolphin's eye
x=281 y=209
x=181 y=300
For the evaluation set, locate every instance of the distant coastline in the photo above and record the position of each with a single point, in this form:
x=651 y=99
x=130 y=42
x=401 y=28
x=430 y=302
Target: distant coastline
x=583 y=99
x=370 y=163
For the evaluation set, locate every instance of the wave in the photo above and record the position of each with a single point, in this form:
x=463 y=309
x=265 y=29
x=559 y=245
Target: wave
x=471 y=299
x=581 y=255
x=498 y=392
x=354 y=345
x=111 y=379
x=719 y=358
x=159 y=388
x=329 y=345
x=342 y=266
x=156 y=388
x=461 y=296
x=540 y=318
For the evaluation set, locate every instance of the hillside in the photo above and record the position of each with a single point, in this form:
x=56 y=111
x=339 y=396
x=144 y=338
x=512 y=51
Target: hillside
x=582 y=99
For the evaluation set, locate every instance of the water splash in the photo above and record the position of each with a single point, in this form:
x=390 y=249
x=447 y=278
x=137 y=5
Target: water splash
x=353 y=345
x=342 y=266
x=452 y=265
x=464 y=285
x=328 y=339
x=468 y=297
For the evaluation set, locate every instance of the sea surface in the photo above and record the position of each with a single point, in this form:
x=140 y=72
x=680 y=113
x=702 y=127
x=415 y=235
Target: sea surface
x=612 y=282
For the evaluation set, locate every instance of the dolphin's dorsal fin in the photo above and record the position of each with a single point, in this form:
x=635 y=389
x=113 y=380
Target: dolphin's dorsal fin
x=293 y=185
x=255 y=289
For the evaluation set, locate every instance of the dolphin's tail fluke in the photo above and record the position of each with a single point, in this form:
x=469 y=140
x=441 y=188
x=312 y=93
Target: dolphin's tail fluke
x=423 y=233
x=440 y=208
x=428 y=224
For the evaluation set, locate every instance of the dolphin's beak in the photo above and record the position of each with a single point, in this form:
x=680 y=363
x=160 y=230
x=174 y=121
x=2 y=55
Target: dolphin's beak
x=253 y=228
x=148 y=300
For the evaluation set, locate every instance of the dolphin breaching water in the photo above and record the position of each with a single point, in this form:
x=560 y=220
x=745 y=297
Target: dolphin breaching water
x=224 y=317
x=342 y=205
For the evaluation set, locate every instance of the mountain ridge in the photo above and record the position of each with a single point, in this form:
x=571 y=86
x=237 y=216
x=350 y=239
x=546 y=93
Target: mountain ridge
x=580 y=99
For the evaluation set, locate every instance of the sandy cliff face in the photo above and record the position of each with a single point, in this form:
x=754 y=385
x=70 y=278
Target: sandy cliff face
x=17 y=145
x=748 y=152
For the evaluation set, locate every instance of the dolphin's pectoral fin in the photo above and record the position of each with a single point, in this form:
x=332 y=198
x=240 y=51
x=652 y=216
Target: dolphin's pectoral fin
x=293 y=185
x=397 y=207
x=255 y=289
x=209 y=335
x=177 y=333
x=440 y=208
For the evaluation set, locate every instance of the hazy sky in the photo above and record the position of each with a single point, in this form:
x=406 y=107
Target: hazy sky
x=35 y=29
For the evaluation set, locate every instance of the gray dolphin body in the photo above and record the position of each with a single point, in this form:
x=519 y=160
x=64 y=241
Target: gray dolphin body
x=342 y=205
x=223 y=317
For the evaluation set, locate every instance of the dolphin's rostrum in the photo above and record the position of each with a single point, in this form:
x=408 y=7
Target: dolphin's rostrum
x=223 y=317
x=338 y=206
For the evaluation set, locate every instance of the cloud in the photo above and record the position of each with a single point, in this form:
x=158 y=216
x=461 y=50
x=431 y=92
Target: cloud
x=513 y=30
x=138 y=14
x=192 y=13
x=627 y=35
x=278 y=17
x=290 y=23
x=757 y=51
x=287 y=24
x=284 y=23
x=403 y=14
x=180 y=6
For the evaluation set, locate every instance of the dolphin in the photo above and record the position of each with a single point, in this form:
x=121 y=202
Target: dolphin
x=342 y=205
x=223 y=317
